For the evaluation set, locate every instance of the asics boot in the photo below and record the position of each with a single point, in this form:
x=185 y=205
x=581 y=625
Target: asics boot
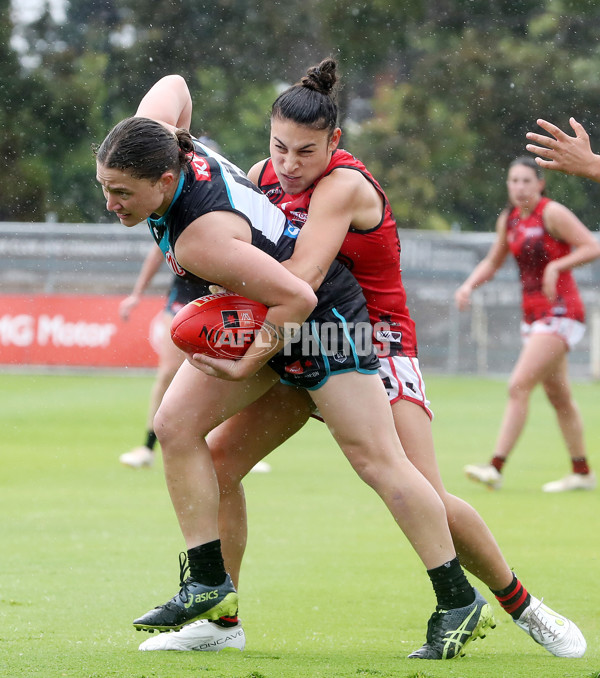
x=486 y=474
x=574 y=481
x=194 y=601
x=201 y=635
x=450 y=631
x=559 y=635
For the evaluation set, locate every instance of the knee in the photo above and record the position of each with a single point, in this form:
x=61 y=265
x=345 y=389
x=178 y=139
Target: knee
x=370 y=469
x=172 y=428
x=366 y=472
x=518 y=389
x=163 y=427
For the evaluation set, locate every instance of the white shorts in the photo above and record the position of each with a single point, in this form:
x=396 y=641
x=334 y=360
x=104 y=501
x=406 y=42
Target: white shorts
x=569 y=330
x=403 y=380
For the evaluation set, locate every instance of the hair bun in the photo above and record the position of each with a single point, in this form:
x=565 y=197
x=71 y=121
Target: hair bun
x=321 y=78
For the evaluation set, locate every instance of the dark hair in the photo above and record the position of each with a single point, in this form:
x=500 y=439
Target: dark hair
x=528 y=161
x=144 y=148
x=313 y=100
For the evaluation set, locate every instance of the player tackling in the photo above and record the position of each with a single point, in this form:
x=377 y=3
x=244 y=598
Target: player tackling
x=212 y=223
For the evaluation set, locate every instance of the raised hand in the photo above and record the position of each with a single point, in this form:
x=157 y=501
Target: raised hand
x=565 y=153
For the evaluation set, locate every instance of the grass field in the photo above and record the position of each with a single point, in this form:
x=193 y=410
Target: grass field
x=330 y=588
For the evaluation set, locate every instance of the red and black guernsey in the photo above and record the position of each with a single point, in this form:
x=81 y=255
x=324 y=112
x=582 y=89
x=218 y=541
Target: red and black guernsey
x=373 y=256
x=533 y=248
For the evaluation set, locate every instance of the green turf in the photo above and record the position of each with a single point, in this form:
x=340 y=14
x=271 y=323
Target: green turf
x=330 y=588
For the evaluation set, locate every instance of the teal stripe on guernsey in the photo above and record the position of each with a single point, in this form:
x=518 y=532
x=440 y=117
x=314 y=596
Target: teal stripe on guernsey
x=155 y=225
x=225 y=183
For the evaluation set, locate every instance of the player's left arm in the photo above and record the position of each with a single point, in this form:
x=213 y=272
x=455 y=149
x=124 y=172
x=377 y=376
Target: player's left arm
x=169 y=102
x=563 y=225
x=565 y=153
x=339 y=200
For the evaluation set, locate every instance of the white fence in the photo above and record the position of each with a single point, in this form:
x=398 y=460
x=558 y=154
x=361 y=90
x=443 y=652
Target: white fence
x=105 y=259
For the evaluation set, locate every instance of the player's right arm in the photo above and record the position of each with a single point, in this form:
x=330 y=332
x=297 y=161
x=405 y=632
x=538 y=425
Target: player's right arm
x=169 y=102
x=487 y=267
x=342 y=199
x=217 y=246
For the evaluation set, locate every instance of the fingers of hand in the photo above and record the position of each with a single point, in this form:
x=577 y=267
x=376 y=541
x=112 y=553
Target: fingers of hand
x=578 y=128
x=540 y=150
x=551 y=129
x=541 y=139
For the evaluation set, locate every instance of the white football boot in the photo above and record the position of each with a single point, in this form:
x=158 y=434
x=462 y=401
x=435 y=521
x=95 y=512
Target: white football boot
x=201 y=636
x=138 y=457
x=575 y=481
x=559 y=635
x=261 y=467
x=485 y=474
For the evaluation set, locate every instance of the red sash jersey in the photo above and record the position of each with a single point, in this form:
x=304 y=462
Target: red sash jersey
x=533 y=248
x=373 y=256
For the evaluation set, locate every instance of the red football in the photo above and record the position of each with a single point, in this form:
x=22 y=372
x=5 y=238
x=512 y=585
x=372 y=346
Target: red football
x=220 y=325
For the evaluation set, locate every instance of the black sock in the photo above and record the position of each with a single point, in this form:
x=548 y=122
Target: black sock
x=150 y=440
x=451 y=587
x=514 y=598
x=206 y=563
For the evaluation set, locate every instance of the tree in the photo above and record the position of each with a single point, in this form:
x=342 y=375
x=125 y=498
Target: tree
x=22 y=193
x=436 y=97
x=454 y=125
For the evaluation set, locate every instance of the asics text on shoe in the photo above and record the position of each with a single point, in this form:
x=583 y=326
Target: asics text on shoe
x=194 y=601
x=450 y=631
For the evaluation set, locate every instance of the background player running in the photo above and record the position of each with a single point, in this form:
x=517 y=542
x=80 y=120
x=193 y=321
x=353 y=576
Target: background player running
x=547 y=241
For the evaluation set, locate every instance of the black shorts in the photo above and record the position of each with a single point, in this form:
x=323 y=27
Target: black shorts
x=331 y=341
x=182 y=292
